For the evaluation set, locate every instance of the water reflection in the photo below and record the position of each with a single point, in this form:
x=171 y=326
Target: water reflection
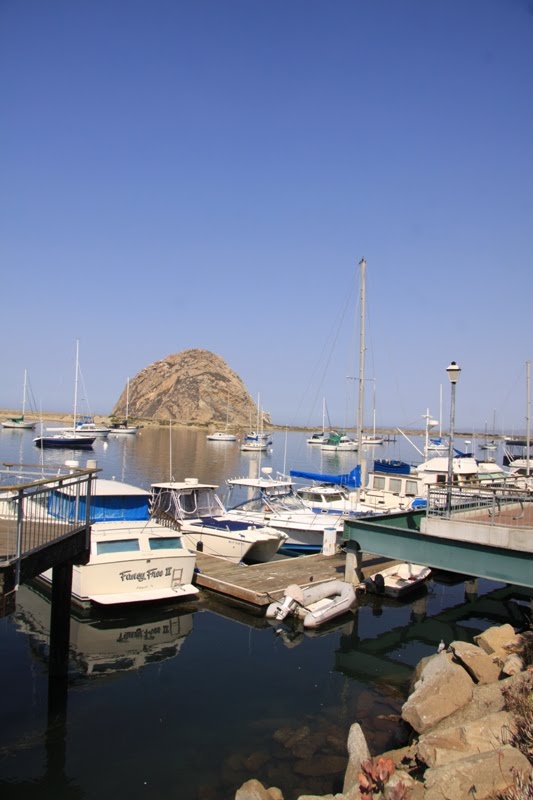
x=104 y=640
x=160 y=704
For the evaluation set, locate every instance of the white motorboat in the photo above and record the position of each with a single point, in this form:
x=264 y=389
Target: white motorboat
x=198 y=513
x=317 y=438
x=83 y=426
x=274 y=502
x=315 y=604
x=221 y=436
x=397 y=581
x=133 y=562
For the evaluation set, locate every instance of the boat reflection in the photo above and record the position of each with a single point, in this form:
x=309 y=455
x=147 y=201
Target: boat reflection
x=104 y=641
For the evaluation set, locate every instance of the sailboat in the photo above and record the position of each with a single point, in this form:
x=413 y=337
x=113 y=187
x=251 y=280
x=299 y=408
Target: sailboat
x=435 y=443
x=225 y=435
x=258 y=439
x=20 y=422
x=372 y=439
x=320 y=437
x=125 y=427
x=70 y=437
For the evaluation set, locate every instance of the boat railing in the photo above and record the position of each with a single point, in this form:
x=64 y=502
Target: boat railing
x=27 y=494
x=498 y=504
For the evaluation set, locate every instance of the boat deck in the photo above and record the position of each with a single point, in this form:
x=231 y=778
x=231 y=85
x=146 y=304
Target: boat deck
x=259 y=584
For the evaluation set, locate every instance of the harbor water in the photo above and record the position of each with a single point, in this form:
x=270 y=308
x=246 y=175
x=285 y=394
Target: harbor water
x=189 y=700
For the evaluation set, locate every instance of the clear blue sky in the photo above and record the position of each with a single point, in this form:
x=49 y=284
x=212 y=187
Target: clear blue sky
x=209 y=174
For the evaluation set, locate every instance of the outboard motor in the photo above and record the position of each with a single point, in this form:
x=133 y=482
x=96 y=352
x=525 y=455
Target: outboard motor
x=287 y=607
x=292 y=599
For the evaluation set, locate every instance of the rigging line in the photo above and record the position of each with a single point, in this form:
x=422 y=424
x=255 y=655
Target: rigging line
x=326 y=354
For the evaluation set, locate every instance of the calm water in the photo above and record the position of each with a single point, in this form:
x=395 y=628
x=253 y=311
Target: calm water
x=189 y=701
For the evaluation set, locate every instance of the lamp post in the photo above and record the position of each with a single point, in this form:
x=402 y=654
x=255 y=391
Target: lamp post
x=453 y=374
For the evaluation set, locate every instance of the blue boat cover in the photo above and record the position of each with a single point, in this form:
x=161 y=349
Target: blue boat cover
x=460 y=454
x=351 y=479
x=107 y=508
x=392 y=466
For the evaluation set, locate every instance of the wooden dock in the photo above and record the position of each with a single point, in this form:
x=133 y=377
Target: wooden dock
x=259 y=584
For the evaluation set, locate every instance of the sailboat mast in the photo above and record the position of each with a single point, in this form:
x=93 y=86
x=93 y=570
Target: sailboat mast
x=362 y=266
x=24 y=393
x=528 y=418
x=76 y=384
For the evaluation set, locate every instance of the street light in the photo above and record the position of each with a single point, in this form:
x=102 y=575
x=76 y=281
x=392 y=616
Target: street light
x=453 y=374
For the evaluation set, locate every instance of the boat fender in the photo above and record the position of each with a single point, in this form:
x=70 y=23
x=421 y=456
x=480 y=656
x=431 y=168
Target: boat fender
x=379 y=582
x=369 y=585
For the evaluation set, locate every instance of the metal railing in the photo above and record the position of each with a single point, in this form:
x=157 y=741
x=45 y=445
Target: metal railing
x=501 y=504
x=29 y=516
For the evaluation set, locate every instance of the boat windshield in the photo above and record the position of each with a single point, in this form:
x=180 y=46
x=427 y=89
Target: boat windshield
x=165 y=543
x=117 y=546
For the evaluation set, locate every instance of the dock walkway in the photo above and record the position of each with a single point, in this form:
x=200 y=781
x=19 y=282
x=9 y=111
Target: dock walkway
x=259 y=584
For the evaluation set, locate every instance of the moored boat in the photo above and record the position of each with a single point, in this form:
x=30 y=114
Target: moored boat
x=314 y=605
x=198 y=513
x=65 y=440
x=132 y=562
x=397 y=581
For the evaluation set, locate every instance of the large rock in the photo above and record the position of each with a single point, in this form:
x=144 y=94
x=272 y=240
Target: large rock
x=192 y=387
x=494 y=639
x=254 y=790
x=482 y=776
x=357 y=752
x=451 y=744
x=478 y=664
x=443 y=688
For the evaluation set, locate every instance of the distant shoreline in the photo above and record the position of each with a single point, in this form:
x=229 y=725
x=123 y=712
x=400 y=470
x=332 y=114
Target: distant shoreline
x=103 y=419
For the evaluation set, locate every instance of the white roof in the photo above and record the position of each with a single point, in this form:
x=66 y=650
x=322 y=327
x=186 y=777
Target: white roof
x=104 y=487
x=122 y=527
x=188 y=483
x=259 y=483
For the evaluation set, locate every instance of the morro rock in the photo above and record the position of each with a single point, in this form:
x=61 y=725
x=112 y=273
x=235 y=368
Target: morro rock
x=194 y=387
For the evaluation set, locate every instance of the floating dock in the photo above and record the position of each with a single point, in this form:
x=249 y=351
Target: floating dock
x=259 y=584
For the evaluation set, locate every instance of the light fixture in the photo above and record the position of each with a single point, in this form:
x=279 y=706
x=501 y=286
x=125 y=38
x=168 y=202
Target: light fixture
x=453 y=372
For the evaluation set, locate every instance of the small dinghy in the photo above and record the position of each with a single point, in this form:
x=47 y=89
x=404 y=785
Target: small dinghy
x=397 y=581
x=314 y=605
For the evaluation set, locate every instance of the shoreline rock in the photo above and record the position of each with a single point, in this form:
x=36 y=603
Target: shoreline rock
x=462 y=734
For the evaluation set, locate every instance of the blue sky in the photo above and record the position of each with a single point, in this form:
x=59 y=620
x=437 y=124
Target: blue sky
x=209 y=174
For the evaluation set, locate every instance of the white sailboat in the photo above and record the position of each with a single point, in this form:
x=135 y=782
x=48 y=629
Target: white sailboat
x=20 y=422
x=225 y=435
x=124 y=428
x=372 y=439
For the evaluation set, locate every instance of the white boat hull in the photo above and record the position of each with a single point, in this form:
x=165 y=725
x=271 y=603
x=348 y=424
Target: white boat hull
x=151 y=572
x=314 y=605
x=247 y=544
x=398 y=581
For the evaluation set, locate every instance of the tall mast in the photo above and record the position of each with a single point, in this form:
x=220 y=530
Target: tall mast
x=362 y=266
x=76 y=384
x=24 y=393
x=528 y=418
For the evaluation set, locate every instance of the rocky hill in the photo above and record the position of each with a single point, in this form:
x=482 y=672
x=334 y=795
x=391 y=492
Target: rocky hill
x=194 y=387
